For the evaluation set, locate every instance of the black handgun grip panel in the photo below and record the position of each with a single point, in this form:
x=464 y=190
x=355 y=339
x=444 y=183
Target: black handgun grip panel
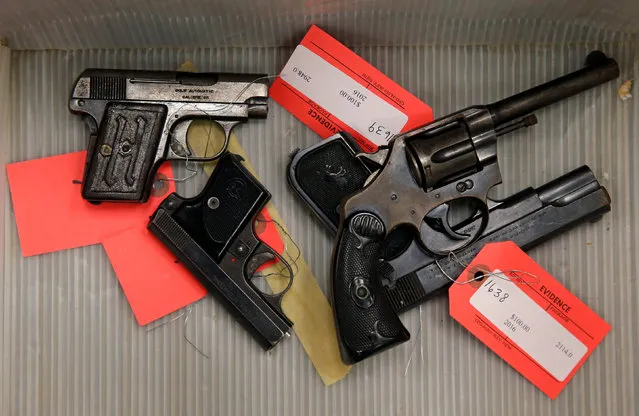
x=120 y=164
x=366 y=322
x=326 y=173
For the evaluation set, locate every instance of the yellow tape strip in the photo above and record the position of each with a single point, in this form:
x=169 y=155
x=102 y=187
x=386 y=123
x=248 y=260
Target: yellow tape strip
x=305 y=303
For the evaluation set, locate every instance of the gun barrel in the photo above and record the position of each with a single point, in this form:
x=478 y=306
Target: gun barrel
x=569 y=187
x=598 y=70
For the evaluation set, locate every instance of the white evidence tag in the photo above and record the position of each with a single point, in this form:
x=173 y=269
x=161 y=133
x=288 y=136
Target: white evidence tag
x=340 y=95
x=528 y=325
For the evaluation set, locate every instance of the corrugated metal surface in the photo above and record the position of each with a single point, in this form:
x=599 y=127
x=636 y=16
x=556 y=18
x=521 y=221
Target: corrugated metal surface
x=70 y=344
x=5 y=105
x=68 y=24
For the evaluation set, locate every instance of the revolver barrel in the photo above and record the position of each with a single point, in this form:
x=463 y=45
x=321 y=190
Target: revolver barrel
x=599 y=69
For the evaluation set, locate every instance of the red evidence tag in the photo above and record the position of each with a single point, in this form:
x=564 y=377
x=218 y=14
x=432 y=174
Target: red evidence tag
x=51 y=215
x=330 y=89
x=525 y=316
x=154 y=282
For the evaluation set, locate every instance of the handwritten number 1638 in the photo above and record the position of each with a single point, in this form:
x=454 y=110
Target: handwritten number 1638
x=496 y=291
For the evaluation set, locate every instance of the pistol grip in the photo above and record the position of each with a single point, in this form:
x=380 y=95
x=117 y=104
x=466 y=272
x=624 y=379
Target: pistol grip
x=122 y=163
x=366 y=322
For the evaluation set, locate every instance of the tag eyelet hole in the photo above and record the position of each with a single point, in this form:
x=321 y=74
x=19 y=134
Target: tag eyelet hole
x=479 y=276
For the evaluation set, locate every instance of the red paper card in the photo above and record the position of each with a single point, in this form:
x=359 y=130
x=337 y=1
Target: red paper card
x=154 y=282
x=51 y=214
x=330 y=88
x=525 y=316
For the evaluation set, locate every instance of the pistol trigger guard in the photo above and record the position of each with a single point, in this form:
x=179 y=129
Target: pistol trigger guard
x=227 y=126
x=256 y=260
x=261 y=255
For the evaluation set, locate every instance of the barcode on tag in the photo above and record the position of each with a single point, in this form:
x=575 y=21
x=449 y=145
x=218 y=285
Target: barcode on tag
x=346 y=99
x=528 y=325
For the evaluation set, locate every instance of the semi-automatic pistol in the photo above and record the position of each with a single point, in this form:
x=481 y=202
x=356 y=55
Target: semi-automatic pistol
x=212 y=235
x=139 y=119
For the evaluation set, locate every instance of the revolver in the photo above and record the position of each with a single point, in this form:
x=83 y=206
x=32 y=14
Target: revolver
x=212 y=235
x=423 y=173
x=139 y=119
x=324 y=174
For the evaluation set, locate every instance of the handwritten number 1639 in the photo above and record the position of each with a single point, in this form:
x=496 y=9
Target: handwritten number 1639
x=380 y=130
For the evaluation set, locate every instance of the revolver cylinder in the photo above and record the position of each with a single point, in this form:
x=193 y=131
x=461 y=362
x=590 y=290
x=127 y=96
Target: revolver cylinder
x=434 y=158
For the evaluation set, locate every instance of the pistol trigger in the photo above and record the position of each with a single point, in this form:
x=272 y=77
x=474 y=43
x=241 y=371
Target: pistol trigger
x=256 y=261
x=178 y=141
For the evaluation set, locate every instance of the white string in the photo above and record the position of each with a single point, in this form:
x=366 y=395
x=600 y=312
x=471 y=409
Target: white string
x=452 y=257
x=161 y=324
x=193 y=171
x=418 y=340
x=184 y=335
x=187 y=338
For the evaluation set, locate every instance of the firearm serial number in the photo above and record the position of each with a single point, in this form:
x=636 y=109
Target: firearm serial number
x=297 y=71
x=500 y=294
x=561 y=347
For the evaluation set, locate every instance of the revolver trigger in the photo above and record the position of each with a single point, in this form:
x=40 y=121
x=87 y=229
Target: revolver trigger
x=256 y=261
x=438 y=220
